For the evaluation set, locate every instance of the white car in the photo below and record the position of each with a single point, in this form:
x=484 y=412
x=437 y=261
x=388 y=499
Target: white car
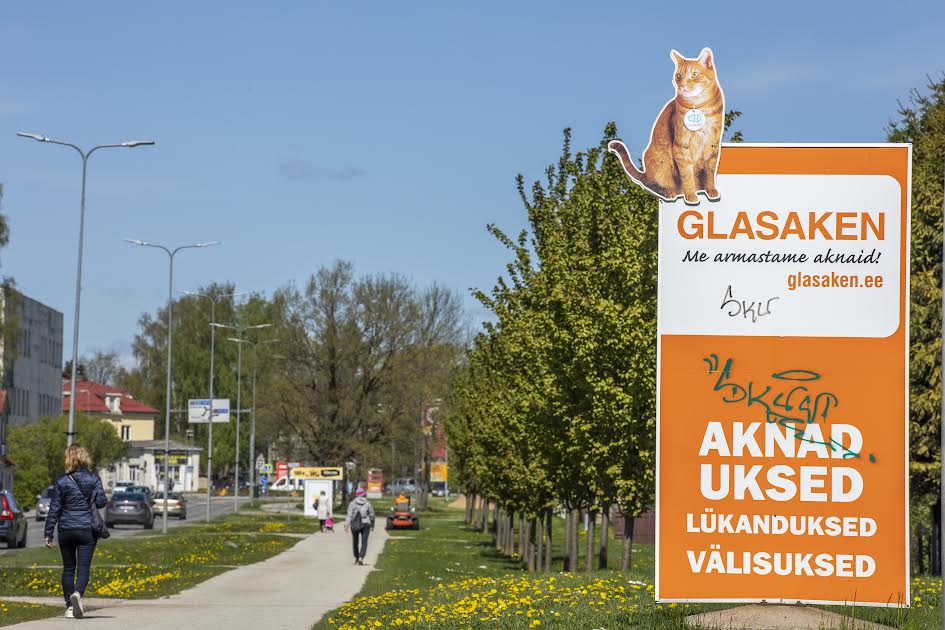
x=285 y=484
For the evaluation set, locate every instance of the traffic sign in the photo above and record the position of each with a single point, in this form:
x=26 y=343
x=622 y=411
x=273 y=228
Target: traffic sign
x=198 y=410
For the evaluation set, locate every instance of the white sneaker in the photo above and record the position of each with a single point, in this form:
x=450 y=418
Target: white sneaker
x=69 y=613
x=76 y=600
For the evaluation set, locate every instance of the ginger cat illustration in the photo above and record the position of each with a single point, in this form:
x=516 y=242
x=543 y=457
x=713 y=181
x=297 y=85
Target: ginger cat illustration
x=683 y=154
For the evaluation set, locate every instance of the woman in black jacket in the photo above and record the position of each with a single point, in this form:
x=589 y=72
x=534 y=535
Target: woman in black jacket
x=70 y=508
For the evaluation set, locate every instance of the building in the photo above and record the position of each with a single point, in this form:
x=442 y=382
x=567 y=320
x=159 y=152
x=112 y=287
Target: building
x=133 y=420
x=6 y=465
x=134 y=423
x=32 y=377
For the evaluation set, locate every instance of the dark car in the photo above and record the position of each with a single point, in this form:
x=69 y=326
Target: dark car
x=146 y=491
x=42 y=503
x=12 y=521
x=129 y=507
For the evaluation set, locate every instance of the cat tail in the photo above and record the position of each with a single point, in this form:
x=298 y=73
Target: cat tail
x=619 y=149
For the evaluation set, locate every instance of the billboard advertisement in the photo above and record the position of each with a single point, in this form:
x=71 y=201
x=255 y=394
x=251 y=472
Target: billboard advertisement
x=782 y=413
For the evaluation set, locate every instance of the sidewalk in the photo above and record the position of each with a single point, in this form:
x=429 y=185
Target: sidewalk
x=289 y=591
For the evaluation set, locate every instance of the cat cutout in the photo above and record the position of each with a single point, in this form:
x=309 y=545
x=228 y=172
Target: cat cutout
x=683 y=155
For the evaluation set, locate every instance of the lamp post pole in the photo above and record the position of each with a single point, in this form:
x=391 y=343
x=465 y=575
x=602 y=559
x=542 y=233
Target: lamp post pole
x=85 y=155
x=170 y=339
x=239 y=378
x=213 y=333
x=252 y=425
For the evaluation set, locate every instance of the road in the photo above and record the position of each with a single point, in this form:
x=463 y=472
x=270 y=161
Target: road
x=196 y=513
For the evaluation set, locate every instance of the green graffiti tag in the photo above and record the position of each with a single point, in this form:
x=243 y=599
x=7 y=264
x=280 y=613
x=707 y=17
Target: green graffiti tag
x=793 y=405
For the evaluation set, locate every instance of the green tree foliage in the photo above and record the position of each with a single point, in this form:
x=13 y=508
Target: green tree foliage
x=921 y=121
x=558 y=402
x=39 y=448
x=356 y=358
x=102 y=367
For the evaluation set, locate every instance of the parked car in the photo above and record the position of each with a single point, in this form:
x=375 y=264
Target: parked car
x=286 y=484
x=122 y=486
x=42 y=503
x=176 y=504
x=129 y=507
x=407 y=485
x=12 y=521
x=439 y=488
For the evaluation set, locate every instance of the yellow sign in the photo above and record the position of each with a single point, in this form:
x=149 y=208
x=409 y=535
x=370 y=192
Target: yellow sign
x=439 y=471
x=316 y=472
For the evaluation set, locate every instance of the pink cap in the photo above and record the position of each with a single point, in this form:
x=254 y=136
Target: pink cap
x=359 y=492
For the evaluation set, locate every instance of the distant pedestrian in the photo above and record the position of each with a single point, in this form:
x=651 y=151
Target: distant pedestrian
x=360 y=522
x=71 y=509
x=322 y=508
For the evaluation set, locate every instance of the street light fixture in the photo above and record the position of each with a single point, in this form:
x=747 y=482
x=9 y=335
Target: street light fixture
x=239 y=378
x=213 y=333
x=170 y=339
x=85 y=154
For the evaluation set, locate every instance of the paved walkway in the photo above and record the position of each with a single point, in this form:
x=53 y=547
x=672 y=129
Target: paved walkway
x=289 y=591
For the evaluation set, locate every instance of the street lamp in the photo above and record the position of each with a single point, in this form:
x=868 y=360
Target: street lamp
x=78 y=281
x=213 y=333
x=239 y=376
x=170 y=338
x=252 y=426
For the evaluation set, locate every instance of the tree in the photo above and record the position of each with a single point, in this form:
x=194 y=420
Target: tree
x=102 y=367
x=40 y=446
x=358 y=357
x=560 y=392
x=191 y=373
x=922 y=122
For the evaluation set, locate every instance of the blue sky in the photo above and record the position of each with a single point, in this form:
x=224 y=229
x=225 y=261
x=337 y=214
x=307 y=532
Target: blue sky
x=388 y=134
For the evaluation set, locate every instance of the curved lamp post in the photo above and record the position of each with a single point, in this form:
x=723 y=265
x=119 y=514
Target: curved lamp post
x=85 y=155
x=239 y=375
x=213 y=333
x=170 y=337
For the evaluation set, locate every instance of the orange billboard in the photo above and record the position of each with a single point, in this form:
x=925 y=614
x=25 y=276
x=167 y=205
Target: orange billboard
x=782 y=413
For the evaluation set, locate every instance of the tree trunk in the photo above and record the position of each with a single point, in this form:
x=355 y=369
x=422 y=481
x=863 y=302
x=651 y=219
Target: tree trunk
x=529 y=559
x=567 y=539
x=575 y=540
x=522 y=524
x=511 y=536
x=500 y=537
x=539 y=542
x=604 y=527
x=469 y=501
x=589 y=546
x=548 y=549
x=625 y=558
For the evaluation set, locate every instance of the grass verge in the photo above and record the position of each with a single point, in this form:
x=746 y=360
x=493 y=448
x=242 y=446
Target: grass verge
x=18 y=612
x=449 y=576
x=151 y=566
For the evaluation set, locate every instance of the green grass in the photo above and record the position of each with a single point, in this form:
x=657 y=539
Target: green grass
x=449 y=576
x=150 y=565
x=17 y=612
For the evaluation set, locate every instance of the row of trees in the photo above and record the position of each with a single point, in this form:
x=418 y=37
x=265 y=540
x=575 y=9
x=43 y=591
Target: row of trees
x=556 y=407
x=340 y=372
x=921 y=121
